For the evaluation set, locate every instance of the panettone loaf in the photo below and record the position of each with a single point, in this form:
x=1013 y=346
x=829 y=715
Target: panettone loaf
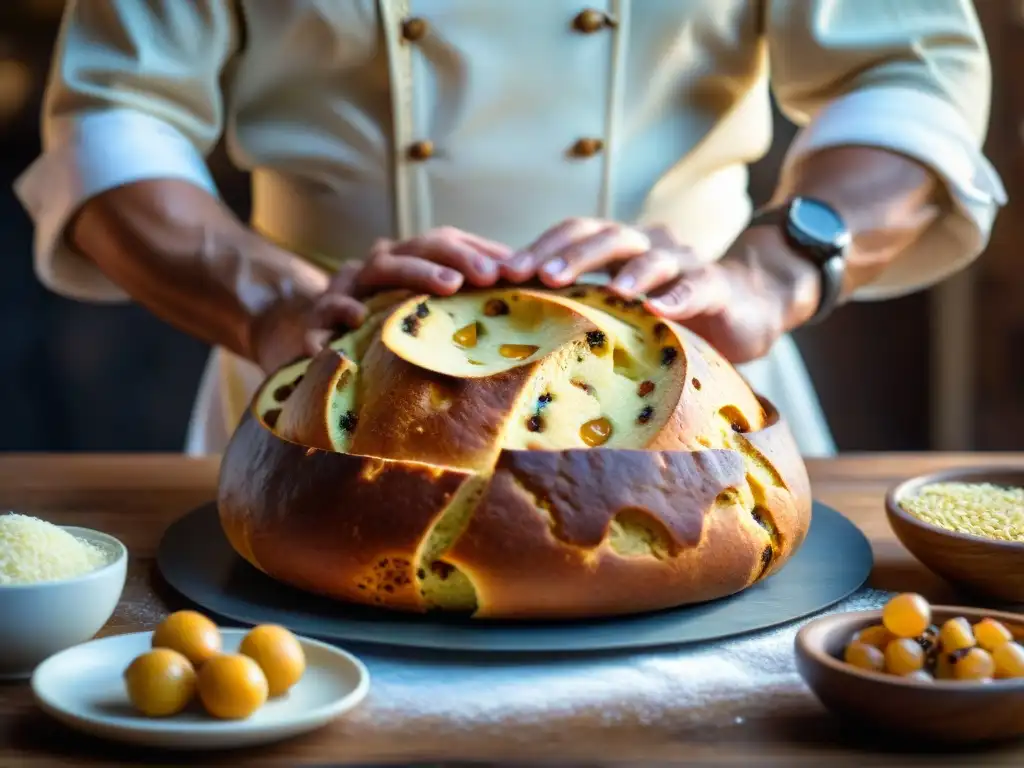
x=514 y=453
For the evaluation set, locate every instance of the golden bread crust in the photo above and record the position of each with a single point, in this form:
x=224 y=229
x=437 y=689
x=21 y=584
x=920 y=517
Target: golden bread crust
x=306 y=416
x=350 y=529
x=431 y=417
x=558 y=507
x=431 y=497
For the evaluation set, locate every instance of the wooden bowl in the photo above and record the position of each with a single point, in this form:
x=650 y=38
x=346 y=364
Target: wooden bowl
x=948 y=711
x=990 y=567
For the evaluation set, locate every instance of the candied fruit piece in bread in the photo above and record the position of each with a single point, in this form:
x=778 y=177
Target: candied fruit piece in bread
x=516 y=453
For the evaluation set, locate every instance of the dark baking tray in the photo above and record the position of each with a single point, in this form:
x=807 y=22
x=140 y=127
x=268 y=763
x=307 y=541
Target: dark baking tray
x=196 y=560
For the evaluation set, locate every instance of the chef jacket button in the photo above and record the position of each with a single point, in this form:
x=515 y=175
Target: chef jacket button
x=590 y=21
x=421 y=150
x=587 y=147
x=414 y=29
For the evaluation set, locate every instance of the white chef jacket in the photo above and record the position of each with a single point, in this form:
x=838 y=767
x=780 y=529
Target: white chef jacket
x=322 y=100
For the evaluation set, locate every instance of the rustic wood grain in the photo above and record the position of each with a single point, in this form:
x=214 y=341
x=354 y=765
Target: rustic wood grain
x=136 y=497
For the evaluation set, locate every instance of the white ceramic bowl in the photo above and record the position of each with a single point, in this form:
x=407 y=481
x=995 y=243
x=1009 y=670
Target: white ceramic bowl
x=38 y=620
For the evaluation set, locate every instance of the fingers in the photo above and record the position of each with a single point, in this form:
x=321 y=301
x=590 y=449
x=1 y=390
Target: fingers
x=647 y=272
x=389 y=270
x=330 y=315
x=702 y=292
x=653 y=270
x=333 y=309
x=314 y=340
x=661 y=236
x=473 y=257
x=497 y=251
x=524 y=264
x=344 y=279
x=592 y=253
x=437 y=262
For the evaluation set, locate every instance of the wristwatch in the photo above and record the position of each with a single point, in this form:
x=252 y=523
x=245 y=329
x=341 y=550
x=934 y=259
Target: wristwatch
x=816 y=232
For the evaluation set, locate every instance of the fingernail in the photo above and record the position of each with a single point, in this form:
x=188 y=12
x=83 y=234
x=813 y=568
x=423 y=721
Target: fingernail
x=484 y=265
x=448 y=276
x=625 y=282
x=554 y=267
x=661 y=303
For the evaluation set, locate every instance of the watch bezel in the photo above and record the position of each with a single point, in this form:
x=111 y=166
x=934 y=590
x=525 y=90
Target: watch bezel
x=816 y=244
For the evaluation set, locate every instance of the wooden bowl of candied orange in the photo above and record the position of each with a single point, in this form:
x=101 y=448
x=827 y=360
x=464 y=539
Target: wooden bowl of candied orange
x=949 y=674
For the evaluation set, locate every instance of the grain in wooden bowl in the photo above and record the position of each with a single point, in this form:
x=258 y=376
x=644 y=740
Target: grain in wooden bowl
x=965 y=526
x=926 y=693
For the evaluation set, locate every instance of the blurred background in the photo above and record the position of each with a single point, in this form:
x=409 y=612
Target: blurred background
x=942 y=369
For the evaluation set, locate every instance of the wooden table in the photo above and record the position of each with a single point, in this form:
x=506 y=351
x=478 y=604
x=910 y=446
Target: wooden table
x=136 y=497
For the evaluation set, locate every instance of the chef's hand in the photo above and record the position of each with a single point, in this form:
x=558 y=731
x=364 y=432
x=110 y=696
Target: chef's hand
x=301 y=326
x=439 y=262
x=741 y=304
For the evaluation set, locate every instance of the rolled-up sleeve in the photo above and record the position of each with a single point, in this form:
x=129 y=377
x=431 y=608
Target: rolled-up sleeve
x=911 y=76
x=133 y=94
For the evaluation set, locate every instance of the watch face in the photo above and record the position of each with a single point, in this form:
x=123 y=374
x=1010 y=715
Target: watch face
x=818 y=226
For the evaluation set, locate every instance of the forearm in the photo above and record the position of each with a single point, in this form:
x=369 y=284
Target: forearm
x=887 y=201
x=178 y=251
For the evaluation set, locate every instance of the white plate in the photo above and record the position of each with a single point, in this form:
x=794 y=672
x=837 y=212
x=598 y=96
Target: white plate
x=83 y=688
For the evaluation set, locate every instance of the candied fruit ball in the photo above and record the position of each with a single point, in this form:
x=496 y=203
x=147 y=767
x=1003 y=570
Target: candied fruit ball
x=974 y=664
x=877 y=636
x=160 y=683
x=232 y=686
x=189 y=633
x=990 y=634
x=279 y=654
x=956 y=634
x=864 y=656
x=1009 y=661
x=903 y=656
x=907 y=615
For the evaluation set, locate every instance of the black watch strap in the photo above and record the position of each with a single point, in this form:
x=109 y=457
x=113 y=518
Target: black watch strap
x=828 y=255
x=832 y=271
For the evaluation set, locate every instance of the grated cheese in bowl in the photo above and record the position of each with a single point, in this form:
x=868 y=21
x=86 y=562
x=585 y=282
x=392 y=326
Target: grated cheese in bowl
x=33 y=551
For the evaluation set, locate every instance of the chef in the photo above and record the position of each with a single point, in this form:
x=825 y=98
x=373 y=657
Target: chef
x=439 y=144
